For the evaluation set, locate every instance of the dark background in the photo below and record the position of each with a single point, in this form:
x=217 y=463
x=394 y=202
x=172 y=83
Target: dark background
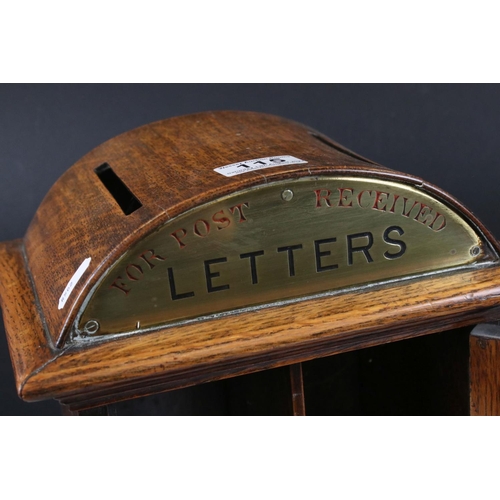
x=447 y=134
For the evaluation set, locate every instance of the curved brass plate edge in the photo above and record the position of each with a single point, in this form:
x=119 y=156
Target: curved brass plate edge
x=488 y=258
x=78 y=340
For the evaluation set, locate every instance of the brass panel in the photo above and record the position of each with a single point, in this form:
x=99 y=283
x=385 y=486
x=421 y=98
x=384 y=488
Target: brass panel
x=275 y=242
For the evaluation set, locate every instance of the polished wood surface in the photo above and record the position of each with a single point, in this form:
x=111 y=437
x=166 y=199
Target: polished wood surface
x=168 y=166
x=427 y=375
x=485 y=370
x=29 y=345
x=94 y=374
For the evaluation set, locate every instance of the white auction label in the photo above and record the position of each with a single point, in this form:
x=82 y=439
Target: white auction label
x=257 y=164
x=73 y=281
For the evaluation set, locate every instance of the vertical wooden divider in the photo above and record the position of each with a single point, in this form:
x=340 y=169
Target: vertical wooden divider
x=297 y=386
x=484 y=369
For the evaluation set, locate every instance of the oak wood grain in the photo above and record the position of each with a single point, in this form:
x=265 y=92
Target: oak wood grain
x=276 y=336
x=485 y=370
x=28 y=345
x=169 y=166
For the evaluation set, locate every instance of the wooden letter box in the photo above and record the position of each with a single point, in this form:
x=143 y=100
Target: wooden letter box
x=240 y=263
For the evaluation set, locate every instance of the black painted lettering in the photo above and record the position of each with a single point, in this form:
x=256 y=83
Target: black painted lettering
x=209 y=274
x=364 y=248
x=319 y=266
x=291 y=261
x=253 y=265
x=401 y=244
x=173 y=289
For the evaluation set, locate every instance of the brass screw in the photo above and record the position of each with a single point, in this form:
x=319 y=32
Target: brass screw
x=91 y=327
x=475 y=251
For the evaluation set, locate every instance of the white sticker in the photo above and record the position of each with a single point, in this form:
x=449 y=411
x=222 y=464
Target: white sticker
x=257 y=164
x=73 y=281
